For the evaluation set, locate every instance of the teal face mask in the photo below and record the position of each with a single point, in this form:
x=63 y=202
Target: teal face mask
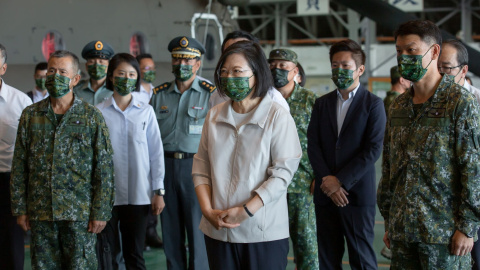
x=149 y=76
x=280 y=77
x=124 y=86
x=237 y=89
x=410 y=66
x=57 y=85
x=96 y=71
x=182 y=72
x=342 y=78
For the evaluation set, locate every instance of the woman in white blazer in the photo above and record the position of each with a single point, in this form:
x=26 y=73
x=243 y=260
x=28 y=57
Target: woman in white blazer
x=248 y=154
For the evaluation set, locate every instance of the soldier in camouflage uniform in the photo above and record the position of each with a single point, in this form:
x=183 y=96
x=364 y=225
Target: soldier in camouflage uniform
x=430 y=186
x=62 y=173
x=301 y=210
x=399 y=86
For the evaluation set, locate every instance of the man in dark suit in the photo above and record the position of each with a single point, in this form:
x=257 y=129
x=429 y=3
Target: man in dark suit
x=345 y=139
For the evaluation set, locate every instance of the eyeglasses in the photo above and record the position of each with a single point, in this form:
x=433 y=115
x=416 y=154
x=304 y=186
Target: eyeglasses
x=447 y=70
x=234 y=73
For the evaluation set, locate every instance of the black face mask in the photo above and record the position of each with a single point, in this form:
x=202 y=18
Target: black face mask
x=280 y=77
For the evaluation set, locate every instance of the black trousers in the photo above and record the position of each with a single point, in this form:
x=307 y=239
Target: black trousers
x=12 y=251
x=351 y=223
x=132 y=221
x=181 y=218
x=247 y=256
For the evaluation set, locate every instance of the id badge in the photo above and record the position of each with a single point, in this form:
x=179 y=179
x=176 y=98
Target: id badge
x=195 y=127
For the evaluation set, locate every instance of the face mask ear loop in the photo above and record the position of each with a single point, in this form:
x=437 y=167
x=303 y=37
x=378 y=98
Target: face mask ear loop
x=430 y=59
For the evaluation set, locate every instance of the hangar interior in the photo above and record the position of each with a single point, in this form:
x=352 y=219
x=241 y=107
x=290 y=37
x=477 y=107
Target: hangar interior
x=32 y=29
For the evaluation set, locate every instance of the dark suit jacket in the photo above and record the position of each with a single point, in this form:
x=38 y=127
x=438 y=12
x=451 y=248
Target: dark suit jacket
x=351 y=155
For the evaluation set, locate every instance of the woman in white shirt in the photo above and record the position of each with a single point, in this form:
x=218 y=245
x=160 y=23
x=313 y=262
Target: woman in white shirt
x=248 y=154
x=137 y=158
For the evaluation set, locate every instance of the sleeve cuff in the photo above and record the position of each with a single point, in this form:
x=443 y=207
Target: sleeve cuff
x=199 y=179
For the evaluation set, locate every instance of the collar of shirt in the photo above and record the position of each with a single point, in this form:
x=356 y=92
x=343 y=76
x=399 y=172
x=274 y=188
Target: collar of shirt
x=350 y=95
x=143 y=90
x=467 y=86
x=38 y=94
x=195 y=86
x=90 y=86
x=133 y=103
x=259 y=116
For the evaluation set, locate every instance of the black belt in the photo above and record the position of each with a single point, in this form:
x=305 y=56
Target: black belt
x=179 y=155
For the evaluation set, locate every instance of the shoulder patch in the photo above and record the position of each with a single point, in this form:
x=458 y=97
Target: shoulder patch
x=207 y=86
x=161 y=87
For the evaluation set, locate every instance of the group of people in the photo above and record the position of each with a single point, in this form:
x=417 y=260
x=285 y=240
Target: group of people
x=236 y=168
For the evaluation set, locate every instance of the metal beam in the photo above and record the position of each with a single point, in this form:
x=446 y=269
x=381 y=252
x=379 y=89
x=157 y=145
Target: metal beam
x=466 y=23
x=301 y=29
x=447 y=17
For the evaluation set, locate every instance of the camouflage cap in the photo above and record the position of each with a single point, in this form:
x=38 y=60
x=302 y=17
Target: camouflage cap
x=97 y=49
x=185 y=47
x=394 y=73
x=283 y=54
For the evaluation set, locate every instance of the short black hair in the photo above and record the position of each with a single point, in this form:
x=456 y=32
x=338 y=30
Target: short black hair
x=41 y=66
x=143 y=56
x=257 y=61
x=64 y=53
x=116 y=60
x=349 y=45
x=239 y=34
x=462 y=53
x=301 y=72
x=425 y=29
x=3 y=52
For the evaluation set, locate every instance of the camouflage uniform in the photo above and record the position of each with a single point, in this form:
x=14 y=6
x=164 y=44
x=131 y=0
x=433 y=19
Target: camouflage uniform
x=391 y=96
x=301 y=209
x=430 y=183
x=62 y=177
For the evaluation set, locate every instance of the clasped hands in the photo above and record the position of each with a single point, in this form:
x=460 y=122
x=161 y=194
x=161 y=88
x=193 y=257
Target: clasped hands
x=230 y=218
x=332 y=187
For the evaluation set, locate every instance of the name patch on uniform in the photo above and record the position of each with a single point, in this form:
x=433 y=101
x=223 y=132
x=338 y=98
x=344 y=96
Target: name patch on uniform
x=77 y=122
x=436 y=113
x=163 y=111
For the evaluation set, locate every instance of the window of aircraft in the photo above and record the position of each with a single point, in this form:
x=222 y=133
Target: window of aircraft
x=52 y=42
x=138 y=44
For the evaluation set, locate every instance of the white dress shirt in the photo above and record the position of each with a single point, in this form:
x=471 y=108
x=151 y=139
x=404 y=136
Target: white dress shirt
x=475 y=91
x=274 y=94
x=143 y=95
x=38 y=95
x=258 y=157
x=137 y=151
x=12 y=103
x=342 y=107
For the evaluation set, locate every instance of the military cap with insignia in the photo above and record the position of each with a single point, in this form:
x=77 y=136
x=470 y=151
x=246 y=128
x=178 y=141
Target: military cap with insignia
x=185 y=47
x=283 y=54
x=97 y=49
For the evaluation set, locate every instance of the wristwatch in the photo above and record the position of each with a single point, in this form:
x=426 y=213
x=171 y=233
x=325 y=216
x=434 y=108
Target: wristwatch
x=159 y=192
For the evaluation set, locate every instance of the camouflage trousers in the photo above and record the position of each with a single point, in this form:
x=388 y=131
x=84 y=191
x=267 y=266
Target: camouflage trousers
x=303 y=230
x=62 y=245
x=426 y=256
